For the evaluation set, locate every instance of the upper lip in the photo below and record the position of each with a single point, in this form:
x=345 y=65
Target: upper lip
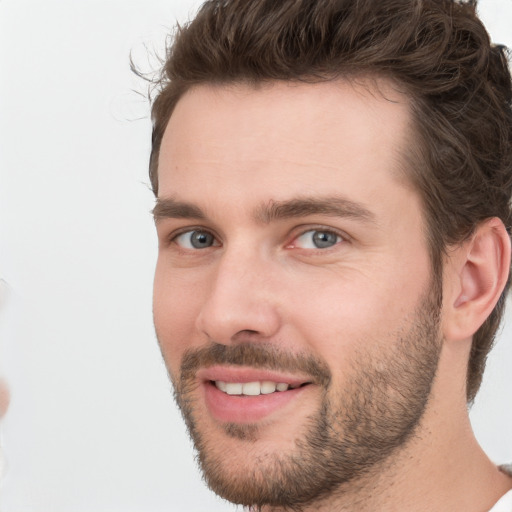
x=245 y=374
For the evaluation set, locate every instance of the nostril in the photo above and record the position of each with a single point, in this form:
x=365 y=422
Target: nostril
x=247 y=331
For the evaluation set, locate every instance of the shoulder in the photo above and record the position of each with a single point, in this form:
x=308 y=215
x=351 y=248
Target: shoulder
x=505 y=502
x=506 y=468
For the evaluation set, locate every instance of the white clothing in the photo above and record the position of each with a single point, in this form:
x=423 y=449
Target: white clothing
x=504 y=504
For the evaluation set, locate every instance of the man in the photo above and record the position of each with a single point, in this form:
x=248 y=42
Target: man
x=333 y=182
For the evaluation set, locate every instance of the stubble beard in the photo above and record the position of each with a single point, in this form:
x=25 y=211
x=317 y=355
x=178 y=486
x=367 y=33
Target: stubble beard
x=355 y=429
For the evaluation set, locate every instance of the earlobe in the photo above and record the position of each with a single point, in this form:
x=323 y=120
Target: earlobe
x=480 y=272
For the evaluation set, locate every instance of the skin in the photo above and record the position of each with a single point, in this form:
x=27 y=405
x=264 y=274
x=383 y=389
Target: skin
x=4 y=397
x=229 y=151
x=4 y=404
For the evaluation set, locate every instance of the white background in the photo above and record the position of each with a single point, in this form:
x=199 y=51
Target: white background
x=92 y=425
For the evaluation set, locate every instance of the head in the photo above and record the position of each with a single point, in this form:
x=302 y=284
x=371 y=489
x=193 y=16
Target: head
x=437 y=52
x=433 y=61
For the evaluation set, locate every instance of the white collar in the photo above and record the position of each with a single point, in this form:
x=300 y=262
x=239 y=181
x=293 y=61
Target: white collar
x=504 y=504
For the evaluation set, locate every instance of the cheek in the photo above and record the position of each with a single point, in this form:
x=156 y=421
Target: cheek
x=344 y=316
x=339 y=303
x=176 y=305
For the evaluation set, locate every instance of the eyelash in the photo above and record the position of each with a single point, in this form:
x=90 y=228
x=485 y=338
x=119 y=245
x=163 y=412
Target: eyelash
x=172 y=238
x=325 y=231
x=340 y=238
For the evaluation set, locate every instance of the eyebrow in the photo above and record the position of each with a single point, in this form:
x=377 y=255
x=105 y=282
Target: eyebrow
x=169 y=208
x=333 y=206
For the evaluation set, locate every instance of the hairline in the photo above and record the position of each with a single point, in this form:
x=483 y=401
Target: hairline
x=409 y=154
x=369 y=80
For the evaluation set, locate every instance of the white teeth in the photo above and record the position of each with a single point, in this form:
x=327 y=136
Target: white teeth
x=233 y=388
x=267 y=387
x=251 y=388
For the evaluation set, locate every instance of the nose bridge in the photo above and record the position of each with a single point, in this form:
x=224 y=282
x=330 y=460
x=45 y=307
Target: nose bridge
x=240 y=297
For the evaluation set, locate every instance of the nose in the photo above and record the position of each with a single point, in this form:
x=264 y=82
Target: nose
x=241 y=302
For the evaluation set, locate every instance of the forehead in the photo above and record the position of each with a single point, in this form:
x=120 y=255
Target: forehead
x=284 y=137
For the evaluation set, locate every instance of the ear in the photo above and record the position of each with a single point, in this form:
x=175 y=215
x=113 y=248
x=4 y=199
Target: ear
x=475 y=276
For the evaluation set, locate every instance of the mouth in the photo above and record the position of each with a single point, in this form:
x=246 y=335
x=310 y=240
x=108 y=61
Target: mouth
x=244 y=395
x=255 y=388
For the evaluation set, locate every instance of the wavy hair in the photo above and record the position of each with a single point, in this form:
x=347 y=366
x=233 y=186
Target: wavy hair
x=438 y=51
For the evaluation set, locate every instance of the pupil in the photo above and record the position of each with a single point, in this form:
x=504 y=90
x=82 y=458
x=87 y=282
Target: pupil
x=323 y=239
x=200 y=240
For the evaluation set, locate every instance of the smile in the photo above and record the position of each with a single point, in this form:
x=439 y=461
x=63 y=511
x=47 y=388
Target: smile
x=252 y=388
x=247 y=395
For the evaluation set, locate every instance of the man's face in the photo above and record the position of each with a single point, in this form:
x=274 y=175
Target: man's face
x=293 y=296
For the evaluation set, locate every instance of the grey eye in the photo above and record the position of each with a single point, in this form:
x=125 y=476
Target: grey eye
x=317 y=239
x=195 y=239
x=323 y=239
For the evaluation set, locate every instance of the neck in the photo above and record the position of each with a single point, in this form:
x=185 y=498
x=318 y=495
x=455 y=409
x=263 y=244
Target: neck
x=441 y=467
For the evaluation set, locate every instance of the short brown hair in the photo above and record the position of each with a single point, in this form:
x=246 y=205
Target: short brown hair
x=437 y=50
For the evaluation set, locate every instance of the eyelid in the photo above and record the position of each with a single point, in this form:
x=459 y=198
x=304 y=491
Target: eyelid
x=171 y=237
x=302 y=230
x=296 y=233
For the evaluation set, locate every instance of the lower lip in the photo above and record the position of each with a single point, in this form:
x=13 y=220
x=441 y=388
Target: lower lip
x=246 y=409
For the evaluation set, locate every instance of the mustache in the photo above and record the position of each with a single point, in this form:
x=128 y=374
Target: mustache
x=254 y=355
